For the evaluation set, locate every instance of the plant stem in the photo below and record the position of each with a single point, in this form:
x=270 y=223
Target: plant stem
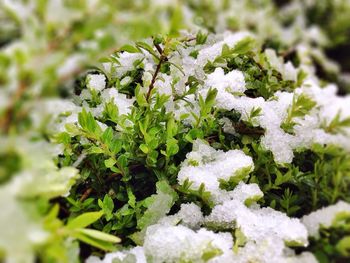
x=161 y=60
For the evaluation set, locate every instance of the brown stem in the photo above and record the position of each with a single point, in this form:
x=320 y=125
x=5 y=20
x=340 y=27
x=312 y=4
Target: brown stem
x=158 y=47
x=86 y=194
x=151 y=86
x=241 y=128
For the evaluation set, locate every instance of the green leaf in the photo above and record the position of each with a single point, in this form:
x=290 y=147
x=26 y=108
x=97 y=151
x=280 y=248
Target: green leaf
x=210 y=99
x=172 y=128
x=201 y=38
x=226 y=51
x=211 y=252
x=172 y=147
x=337 y=124
x=343 y=246
x=115 y=145
x=88 y=122
x=194 y=134
x=160 y=205
x=95 y=150
x=99 y=235
x=144 y=148
x=110 y=162
x=84 y=220
x=129 y=48
x=148 y=48
x=131 y=198
x=72 y=129
x=255 y=112
x=107 y=206
x=107 y=135
x=103 y=245
x=244 y=46
x=301 y=106
x=140 y=96
x=111 y=111
x=281 y=179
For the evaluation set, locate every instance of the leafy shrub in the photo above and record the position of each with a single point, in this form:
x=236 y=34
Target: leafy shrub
x=192 y=146
x=228 y=127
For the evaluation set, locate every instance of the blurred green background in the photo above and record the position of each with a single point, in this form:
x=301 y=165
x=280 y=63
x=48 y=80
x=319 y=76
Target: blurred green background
x=46 y=46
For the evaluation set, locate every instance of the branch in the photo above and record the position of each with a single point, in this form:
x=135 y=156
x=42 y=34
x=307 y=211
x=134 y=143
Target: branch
x=242 y=128
x=85 y=194
x=161 y=60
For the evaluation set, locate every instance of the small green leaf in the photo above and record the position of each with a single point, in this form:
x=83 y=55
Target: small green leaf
x=210 y=99
x=172 y=147
x=111 y=111
x=343 y=246
x=72 y=129
x=144 y=148
x=131 y=198
x=107 y=206
x=301 y=106
x=140 y=97
x=84 y=220
x=211 y=252
x=201 y=38
x=244 y=46
x=88 y=122
x=110 y=162
x=103 y=245
x=107 y=135
x=337 y=124
x=115 y=145
x=148 y=48
x=130 y=49
x=99 y=235
x=172 y=128
x=95 y=150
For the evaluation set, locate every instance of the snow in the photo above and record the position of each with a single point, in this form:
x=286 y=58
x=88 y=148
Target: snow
x=189 y=215
x=123 y=103
x=126 y=62
x=135 y=254
x=179 y=243
x=232 y=82
x=257 y=223
x=205 y=165
x=324 y=217
x=96 y=81
x=210 y=52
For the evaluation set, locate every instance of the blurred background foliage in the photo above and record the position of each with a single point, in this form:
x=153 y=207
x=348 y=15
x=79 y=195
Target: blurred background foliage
x=47 y=45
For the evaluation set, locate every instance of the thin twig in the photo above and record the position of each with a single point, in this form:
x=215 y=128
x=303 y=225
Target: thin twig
x=86 y=194
x=241 y=128
x=159 y=49
x=161 y=60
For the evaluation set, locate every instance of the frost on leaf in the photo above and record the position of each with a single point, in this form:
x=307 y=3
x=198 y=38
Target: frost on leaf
x=96 y=82
x=257 y=223
x=324 y=217
x=211 y=168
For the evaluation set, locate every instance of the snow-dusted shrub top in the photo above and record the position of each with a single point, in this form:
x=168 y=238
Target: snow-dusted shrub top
x=47 y=44
x=179 y=238
x=200 y=116
x=324 y=217
x=310 y=124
